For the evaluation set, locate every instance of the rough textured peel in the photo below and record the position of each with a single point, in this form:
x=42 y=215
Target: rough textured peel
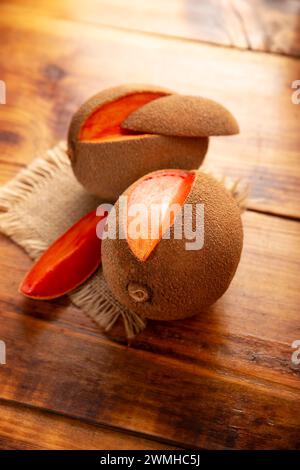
x=175 y=283
x=189 y=116
x=107 y=168
x=106 y=159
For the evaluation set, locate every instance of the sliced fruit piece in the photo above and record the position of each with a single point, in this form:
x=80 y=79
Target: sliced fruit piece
x=151 y=210
x=105 y=121
x=186 y=116
x=67 y=263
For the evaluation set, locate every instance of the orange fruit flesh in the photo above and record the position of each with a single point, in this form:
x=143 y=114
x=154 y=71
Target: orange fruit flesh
x=67 y=263
x=105 y=122
x=158 y=193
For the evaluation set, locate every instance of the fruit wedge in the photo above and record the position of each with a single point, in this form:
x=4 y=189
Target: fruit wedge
x=152 y=206
x=67 y=263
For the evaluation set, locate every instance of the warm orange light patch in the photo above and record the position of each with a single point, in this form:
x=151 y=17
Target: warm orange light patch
x=157 y=193
x=106 y=121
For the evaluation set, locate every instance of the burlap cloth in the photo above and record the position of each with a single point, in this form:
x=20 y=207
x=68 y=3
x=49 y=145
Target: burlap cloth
x=42 y=202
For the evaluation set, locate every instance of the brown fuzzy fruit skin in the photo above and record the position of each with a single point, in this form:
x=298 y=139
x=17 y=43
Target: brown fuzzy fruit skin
x=174 y=282
x=106 y=169
x=188 y=116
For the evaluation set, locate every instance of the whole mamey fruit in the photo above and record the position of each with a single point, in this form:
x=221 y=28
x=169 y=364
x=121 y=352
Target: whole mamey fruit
x=160 y=278
x=111 y=145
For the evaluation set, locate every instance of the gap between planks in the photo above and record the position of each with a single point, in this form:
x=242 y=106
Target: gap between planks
x=272 y=184
x=155 y=34
x=250 y=208
x=151 y=438
x=180 y=362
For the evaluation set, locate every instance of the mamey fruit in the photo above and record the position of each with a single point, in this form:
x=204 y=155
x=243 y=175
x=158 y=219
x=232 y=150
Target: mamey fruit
x=159 y=278
x=110 y=148
x=67 y=263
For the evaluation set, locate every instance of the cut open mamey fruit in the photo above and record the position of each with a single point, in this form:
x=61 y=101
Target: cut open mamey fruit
x=162 y=278
x=152 y=206
x=105 y=122
x=107 y=158
x=67 y=263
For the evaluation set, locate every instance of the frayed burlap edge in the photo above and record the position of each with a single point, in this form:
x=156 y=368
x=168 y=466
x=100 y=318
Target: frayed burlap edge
x=238 y=188
x=29 y=180
x=94 y=298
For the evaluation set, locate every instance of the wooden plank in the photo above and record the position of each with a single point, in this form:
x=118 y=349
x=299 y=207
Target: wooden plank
x=247 y=24
x=26 y=428
x=221 y=380
x=53 y=65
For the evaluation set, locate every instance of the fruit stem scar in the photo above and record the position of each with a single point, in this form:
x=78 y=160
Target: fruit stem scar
x=138 y=292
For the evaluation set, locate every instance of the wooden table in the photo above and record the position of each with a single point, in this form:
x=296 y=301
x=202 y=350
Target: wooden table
x=221 y=380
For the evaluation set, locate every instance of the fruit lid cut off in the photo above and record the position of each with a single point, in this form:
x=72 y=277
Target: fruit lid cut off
x=184 y=116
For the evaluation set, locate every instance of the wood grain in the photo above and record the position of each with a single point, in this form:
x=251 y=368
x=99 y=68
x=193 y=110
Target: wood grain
x=52 y=65
x=26 y=428
x=221 y=380
x=262 y=25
